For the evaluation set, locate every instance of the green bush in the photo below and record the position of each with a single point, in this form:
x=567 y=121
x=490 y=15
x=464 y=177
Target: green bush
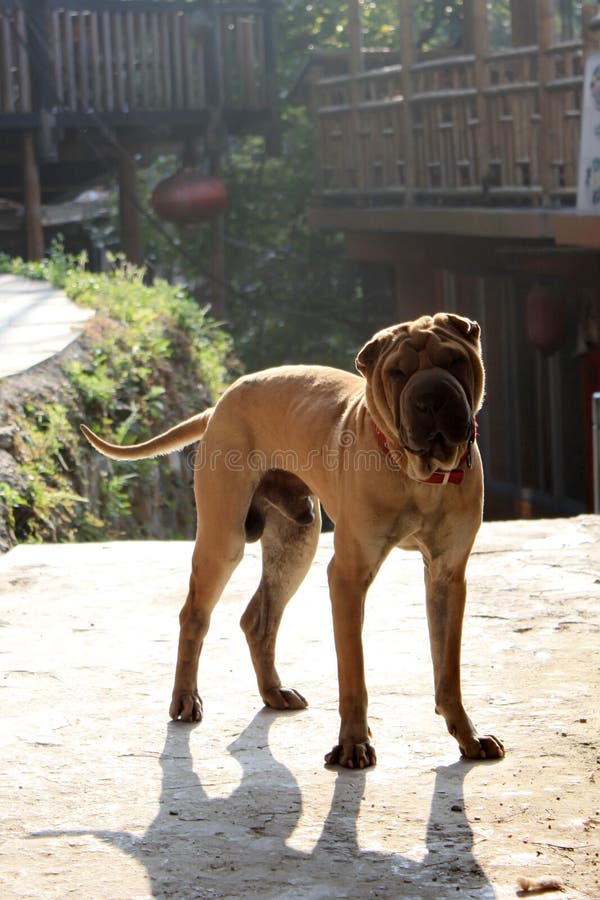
x=151 y=357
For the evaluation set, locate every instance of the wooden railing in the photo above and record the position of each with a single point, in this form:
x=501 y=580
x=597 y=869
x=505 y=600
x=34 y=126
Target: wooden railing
x=513 y=113
x=126 y=56
x=244 y=39
x=443 y=116
x=15 y=86
x=504 y=128
x=563 y=117
x=111 y=56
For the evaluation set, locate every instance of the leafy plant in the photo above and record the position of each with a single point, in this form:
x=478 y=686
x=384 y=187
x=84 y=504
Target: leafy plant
x=151 y=355
x=45 y=447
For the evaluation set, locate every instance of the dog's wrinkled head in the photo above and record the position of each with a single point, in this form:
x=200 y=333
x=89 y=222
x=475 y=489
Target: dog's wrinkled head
x=425 y=382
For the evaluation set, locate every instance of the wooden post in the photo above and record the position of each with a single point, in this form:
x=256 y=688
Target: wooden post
x=33 y=199
x=42 y=92
x=476 y=25
x=315 y=74
x=129 y=217
x=468 y=38
x=218 y=287
x=566 y=15
x=273 y=132
x=214 y=141
x=523 y=21
x=356 y=65
x=478 y=30
x=407 y=52
x=355 y=36
x=544 y=12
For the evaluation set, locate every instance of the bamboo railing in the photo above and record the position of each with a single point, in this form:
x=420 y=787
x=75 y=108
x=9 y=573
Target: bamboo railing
x=502 y=128
x=244 y=64
x=123 y=57
x=116 y=57
x=15 y=85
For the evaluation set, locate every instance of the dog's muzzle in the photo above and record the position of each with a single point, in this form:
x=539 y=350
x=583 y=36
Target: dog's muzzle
x=435 y=415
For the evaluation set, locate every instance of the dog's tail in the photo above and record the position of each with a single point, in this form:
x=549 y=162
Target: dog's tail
x=174 y=439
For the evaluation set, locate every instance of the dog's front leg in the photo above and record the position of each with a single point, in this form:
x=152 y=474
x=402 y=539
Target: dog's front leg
x=348 y=583
x=446 y=596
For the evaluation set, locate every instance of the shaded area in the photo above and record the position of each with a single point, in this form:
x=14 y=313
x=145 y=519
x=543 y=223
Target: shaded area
x=198 y=858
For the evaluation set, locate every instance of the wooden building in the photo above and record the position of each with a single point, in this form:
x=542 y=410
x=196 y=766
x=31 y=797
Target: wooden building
x=87 y=85
x=453 y=176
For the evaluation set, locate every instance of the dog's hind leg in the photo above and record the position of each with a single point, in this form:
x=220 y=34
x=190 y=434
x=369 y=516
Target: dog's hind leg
x=219 y=548
x=288 y=549
x=210 y=573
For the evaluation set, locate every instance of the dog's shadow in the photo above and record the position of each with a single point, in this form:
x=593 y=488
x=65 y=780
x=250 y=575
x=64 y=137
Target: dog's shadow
x=192 y=847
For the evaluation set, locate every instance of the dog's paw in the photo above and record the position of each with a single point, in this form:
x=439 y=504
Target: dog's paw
x=352 y=756
x=484 y=746
x=186 y=706
x=284 y=698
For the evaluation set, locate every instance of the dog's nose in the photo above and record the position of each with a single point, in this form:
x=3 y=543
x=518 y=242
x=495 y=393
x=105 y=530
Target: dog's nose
x=434 y=408
x=429 y=404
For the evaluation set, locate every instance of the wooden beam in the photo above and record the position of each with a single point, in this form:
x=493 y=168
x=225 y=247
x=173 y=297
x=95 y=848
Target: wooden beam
x=475 y=221
x=129 y=218
x=544 y=12
x=565 y=227
x=407 y=58
x=33 y=199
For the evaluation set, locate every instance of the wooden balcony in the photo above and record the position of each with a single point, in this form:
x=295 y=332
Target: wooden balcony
x=119 y=58
x=97 y=63
x=91 y=88
x=472 y=140
x=455 y=130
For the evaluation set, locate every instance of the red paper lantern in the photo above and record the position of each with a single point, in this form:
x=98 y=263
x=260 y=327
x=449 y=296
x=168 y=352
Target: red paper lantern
x=188 y=197
x=546 y=319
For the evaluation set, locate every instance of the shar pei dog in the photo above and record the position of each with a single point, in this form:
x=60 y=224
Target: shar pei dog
x=391 y=454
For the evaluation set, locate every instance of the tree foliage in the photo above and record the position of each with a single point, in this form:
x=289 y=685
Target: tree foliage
x=437 y=23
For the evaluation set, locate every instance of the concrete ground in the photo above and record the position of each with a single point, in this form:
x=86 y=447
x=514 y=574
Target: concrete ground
x=102 y=797
x=36 y=322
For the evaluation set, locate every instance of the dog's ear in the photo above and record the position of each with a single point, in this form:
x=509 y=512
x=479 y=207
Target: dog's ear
x=466 y=328
x=369 y=354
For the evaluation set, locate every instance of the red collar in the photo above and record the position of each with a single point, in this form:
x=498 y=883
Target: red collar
x=454 y=476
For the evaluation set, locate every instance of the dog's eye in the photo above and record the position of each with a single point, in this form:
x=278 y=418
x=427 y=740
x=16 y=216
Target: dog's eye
x=398 y=374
